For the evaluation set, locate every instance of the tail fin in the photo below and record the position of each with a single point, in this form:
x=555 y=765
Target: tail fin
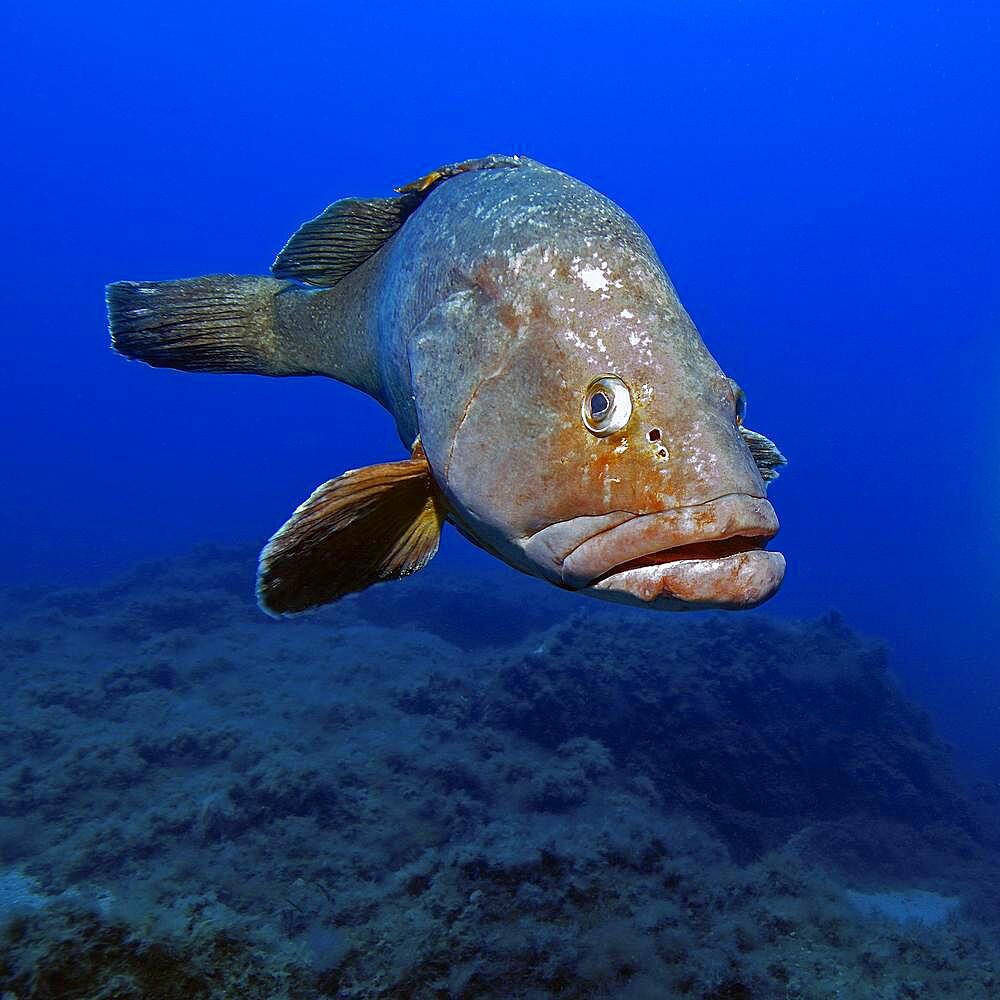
x=220 y=323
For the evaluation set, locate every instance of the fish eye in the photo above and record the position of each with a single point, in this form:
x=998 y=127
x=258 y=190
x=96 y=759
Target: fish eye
x=741 y=401
x=599 y=404
x=607 y=405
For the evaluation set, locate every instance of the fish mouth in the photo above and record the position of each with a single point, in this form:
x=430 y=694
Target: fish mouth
x=700 y=551
x=709 y=555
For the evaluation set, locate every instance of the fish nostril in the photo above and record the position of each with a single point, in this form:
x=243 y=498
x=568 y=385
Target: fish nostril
x=654 y=434
x=661 y=453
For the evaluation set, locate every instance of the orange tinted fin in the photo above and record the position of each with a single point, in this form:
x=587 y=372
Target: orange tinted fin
x=368 y=525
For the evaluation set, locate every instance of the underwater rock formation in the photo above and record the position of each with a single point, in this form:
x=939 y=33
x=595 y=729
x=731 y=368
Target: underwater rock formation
x=758 y=726
x=464 y=787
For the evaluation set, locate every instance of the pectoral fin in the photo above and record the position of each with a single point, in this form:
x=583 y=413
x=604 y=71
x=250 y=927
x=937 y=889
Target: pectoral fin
x=766 y=455
x=368 y=525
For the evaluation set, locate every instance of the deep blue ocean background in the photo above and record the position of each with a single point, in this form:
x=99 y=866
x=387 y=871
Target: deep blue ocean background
x=819 y=180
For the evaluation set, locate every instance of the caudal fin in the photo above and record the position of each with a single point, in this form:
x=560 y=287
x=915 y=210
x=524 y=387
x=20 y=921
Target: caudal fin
x=219 y=323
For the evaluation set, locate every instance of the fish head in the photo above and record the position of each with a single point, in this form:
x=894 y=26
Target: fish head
x=581 y=431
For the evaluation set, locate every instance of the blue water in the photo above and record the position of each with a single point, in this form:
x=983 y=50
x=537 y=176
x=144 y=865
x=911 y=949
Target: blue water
x=820 y=182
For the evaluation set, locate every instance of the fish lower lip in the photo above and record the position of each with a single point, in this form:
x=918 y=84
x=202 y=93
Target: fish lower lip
x=727 y=527
x=738 y=580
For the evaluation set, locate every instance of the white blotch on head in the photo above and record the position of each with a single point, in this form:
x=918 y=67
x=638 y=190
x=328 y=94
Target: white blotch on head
x=625 y=314
x=594 y=279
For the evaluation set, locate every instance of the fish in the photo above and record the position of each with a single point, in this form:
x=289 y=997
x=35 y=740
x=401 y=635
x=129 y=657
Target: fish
x=557 y=402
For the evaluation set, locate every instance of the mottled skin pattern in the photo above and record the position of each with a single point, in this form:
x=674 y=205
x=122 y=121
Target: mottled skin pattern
x=498 y=301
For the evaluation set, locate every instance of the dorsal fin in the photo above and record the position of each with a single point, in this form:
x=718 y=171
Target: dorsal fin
x=423 y=184
x=344 y=236
x=327 y=248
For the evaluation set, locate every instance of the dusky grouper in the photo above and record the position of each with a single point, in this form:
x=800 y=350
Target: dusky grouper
x=559 y=405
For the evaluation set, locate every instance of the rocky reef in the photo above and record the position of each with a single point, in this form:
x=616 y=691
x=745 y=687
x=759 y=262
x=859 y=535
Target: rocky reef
x=471 y=786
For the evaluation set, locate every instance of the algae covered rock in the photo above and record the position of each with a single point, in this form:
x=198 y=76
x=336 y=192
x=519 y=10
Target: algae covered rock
x=383 y=802
x=759 y=726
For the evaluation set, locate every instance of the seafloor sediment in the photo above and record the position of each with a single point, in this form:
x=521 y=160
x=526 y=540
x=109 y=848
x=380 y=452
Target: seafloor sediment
x=457 y=788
